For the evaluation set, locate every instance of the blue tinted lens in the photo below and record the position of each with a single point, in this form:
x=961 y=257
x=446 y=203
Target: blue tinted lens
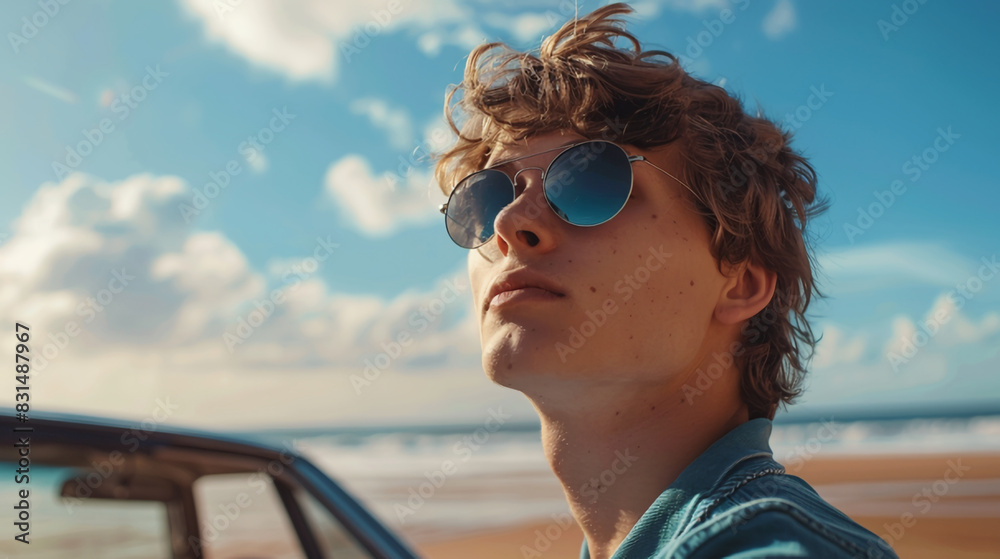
x=589 y=184
x=474 y=204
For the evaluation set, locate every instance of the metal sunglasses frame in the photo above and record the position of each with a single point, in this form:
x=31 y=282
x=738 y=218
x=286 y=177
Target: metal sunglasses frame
x=443 y=208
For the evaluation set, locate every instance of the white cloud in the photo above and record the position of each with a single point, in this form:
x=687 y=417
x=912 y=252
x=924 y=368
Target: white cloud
x=886 y=265
x=295 y=38
x=430 y=43
x=310 y=39
x=380 y=205
x=780 y=21
x=903 y=330
x=214 y=278
x=943 y=326
x=465 y=36
x=395 y=121
x=154 y=336
x=943 y=355
x=437 y=135
x=84 y=237
x=89 y=252
x=526 y=27
x=835 y=348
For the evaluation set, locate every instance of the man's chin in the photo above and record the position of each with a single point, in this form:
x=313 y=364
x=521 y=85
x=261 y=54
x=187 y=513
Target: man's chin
x=517 y=358
x=505 y=368
x=526 y=375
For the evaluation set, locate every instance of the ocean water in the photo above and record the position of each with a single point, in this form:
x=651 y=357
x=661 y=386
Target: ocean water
x=454 y=481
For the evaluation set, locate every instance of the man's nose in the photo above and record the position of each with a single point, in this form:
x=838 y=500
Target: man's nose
x=527 y=222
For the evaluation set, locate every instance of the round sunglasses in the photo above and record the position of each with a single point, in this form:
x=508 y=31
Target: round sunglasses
x=587 y=184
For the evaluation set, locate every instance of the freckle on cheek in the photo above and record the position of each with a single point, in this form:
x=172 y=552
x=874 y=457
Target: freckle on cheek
x=593 y=289
x=692 y=282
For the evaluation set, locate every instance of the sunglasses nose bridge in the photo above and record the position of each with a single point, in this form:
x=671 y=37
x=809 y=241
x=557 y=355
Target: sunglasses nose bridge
x=527 y=220
x=518 y=189
x=536 y=199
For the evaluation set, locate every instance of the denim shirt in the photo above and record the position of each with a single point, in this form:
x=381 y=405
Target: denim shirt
x=735 y=500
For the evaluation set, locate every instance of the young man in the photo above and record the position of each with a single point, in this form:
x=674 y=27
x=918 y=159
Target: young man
x=640 y=273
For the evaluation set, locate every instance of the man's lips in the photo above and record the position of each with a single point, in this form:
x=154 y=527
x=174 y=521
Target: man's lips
x=519 y=286
x=522 y=294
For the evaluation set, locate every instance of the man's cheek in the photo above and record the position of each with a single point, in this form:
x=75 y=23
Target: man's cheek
x=476 y=280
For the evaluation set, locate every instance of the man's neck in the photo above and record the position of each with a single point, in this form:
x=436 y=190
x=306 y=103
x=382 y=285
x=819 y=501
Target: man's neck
x=614 y=459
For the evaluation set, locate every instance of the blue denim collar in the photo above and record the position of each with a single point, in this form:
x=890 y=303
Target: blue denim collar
x=670 y=512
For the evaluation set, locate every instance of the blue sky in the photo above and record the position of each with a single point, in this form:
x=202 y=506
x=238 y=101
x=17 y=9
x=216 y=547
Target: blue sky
x=361 y=89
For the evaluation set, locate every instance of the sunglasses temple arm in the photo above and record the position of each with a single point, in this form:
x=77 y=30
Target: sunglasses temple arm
x=655 y=166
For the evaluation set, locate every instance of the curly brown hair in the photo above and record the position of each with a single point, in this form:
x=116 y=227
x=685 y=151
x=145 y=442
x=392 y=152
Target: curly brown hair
x=754 y=191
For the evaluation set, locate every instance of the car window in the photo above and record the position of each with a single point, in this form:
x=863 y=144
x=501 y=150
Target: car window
x=334 y=540
x=241 y=515
x=61 y=527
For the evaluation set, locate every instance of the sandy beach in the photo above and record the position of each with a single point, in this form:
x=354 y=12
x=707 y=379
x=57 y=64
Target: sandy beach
x=927 y=506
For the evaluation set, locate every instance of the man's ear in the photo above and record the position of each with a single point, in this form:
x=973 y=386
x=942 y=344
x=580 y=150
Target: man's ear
x=748 y=289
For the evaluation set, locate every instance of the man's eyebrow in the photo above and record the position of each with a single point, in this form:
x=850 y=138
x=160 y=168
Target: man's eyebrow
x=513 y=159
